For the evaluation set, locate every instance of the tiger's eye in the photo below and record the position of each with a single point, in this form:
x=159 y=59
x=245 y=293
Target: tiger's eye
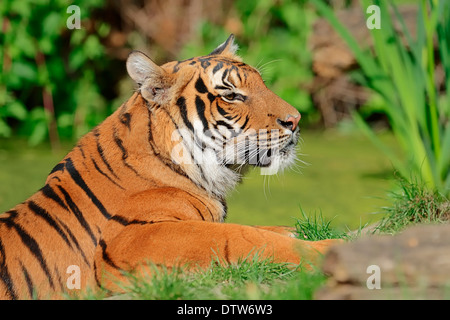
x=230 y=96
x=233 y=97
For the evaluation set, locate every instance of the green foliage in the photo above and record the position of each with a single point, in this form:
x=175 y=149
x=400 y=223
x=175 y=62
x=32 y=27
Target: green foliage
x=48 y=72
x=402 y=71
x=251 y=278
x=315 y=227
x=412 y=204
x=272 y=36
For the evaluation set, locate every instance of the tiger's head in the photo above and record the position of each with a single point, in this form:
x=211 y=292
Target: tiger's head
x=219 y=116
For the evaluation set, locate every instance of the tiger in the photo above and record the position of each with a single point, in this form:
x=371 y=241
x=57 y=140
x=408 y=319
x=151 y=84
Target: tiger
x=149 y=183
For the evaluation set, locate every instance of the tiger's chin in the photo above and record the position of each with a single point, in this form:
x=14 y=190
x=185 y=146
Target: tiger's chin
x=279 y=161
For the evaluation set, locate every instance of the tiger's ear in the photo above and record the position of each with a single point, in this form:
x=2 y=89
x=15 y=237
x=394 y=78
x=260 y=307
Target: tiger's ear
x=228 y=48
x=154 y=83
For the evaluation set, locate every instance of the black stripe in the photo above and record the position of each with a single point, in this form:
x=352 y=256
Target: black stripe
x=211 y=97
x=181 y=103
x=223 y=87
x=80 y=182
x=218 y=66
x=58 y=276
x=141 y=222
x=224 y=75
x=200 y=105
x=234 y=117
x=119 y=143
x=28 y=280
x=125 y=118
x=78 y=214
x=234 y=68
x=150 y=134
x=105 y=256
x=108 y=177
x=34 y=248
x=80 y=147
x=228 y=81
x=41 y=212
x=204 y=62
x=242 y=64
x=12 y=215
x=176 y=67
x=225 y=114
x=198 y=210
x=58 y=167
x=238 y=75
x=102 y=156
x=125 y=222
x=97 y=281
x=206 y=207
x=74 y=240
x=223 y=123
x=200 y=86
x=49 y=193
x=5 y=277
x=226 y=252
x=245 y=123
x=122 y=220
x=168 y=162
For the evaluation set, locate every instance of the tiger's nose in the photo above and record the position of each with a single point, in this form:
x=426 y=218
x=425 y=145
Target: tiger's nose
x=290 y=123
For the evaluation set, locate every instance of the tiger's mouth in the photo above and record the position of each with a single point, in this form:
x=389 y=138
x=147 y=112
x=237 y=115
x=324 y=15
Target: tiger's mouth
x=291 y=143
x=281 y=155
x=278 y=155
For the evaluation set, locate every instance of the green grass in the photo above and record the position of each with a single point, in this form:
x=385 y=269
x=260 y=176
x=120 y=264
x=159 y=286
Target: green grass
x=247 y=280
x=413 y=203
x=250 y=279
x=315 y=227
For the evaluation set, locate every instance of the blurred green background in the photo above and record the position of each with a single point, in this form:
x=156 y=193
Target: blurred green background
x=57 y=83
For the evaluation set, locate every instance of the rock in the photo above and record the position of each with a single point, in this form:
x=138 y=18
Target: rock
x=412 y=265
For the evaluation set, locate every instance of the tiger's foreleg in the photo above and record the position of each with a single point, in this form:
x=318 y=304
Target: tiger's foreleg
x=198 y=243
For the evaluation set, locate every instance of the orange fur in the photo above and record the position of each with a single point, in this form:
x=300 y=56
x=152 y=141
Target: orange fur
x=119 y=199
